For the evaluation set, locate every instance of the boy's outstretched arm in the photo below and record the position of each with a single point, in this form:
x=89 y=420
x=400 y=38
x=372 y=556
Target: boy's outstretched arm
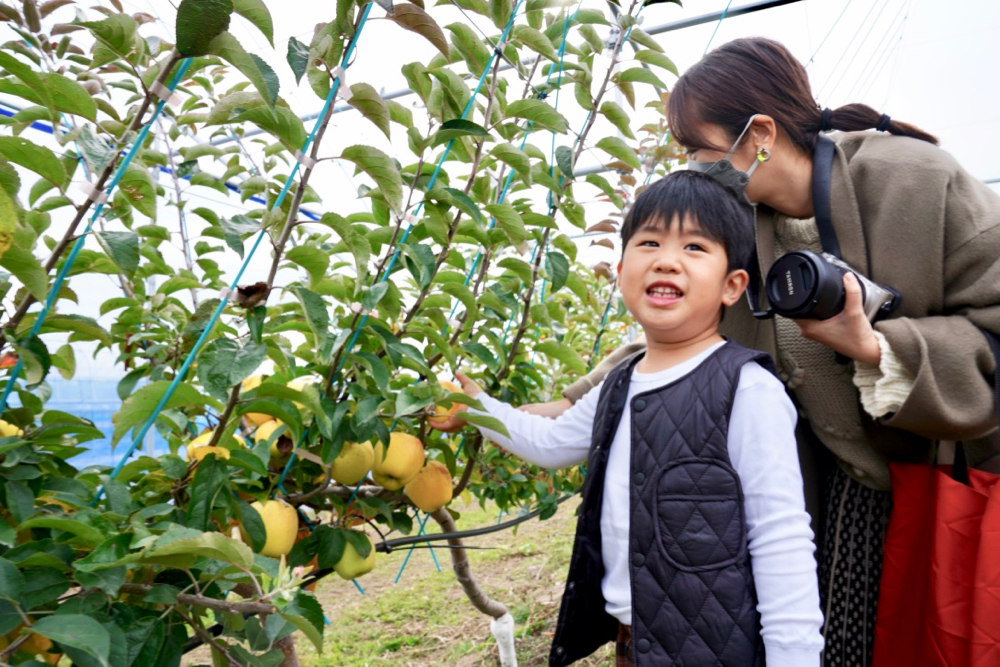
x=550 y=443
x=764 y=453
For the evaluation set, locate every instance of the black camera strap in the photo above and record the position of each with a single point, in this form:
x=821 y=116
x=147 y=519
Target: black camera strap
x=822 y=172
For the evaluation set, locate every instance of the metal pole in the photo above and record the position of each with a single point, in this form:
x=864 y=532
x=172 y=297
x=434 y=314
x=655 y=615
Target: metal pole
x=656 y=30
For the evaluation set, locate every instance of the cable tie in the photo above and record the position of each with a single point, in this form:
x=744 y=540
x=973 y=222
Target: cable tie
x=356 y=308
x=93 y=194
x=344 y=90
x=224 y=293
x=410 y=219
x=305 y=160
x=168 y=96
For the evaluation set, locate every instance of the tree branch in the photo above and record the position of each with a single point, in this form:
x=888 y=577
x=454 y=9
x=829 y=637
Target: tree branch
x=463 y=572
x=239 y=607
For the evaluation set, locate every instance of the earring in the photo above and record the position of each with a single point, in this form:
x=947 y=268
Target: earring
x=763 y=155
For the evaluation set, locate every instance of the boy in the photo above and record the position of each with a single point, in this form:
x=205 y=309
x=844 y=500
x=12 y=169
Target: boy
x=693 y=545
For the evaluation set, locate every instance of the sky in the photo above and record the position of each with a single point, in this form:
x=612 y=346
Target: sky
x=922 y=61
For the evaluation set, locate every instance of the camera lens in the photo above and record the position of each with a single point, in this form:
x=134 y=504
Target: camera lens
x=803 y=285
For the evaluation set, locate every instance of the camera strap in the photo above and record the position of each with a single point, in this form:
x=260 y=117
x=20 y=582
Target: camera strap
x=822 y=172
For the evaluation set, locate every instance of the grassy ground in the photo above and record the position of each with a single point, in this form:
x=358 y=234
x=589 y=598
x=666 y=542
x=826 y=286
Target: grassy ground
x=426 y=619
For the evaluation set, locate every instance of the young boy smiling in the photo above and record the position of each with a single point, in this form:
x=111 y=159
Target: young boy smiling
x=693 y=546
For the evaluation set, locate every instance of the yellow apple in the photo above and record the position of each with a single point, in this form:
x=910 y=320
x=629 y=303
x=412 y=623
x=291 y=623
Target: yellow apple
x=398 y=463
x=254 y=418
x=442 y=413
x=431 y=488
x=281 y=525
x=8 y=430
x=351 y=565
x=354 y=462
x=281 y=446
x=198 y=448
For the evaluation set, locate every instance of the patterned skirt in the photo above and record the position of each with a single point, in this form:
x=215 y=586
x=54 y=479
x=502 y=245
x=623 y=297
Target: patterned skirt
x=623 y=647
x=855 y=521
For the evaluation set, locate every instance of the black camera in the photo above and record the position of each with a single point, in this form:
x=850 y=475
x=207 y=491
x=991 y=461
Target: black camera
x=806 y=285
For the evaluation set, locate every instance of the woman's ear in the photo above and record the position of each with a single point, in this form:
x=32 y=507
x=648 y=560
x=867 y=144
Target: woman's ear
x=736 y=283
x=763 y=132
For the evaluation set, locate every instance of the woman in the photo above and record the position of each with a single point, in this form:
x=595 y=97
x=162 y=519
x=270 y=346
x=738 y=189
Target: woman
x=907 y=216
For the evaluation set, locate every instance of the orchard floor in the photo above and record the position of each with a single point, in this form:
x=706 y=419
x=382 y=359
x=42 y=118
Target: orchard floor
x=426 y=619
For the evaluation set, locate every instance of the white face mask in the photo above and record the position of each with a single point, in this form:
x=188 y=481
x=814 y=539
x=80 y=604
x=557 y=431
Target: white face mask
x=725 y=173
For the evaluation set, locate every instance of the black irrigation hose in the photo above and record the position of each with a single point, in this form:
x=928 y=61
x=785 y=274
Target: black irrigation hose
x=388 y=546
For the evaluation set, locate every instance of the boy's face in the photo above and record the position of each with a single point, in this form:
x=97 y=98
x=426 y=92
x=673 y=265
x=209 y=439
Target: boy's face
x=674 y=281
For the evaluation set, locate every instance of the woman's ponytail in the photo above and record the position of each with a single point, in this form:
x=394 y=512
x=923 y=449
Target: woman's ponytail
x=853 y=117
x=757 y=75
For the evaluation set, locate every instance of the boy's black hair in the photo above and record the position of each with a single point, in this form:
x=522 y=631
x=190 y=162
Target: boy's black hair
x=720 y=216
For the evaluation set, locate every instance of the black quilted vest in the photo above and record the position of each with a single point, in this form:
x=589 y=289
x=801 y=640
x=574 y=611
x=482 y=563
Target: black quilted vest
x=693 y=596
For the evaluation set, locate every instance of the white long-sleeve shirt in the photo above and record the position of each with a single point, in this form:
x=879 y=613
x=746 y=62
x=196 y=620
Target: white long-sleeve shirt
x=763 y=452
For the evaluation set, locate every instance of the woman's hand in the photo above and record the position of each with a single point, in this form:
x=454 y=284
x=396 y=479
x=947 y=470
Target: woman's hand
x=849 y=332
x=552 y=409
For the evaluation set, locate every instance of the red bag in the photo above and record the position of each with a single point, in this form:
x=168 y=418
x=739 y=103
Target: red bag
x=939 y=600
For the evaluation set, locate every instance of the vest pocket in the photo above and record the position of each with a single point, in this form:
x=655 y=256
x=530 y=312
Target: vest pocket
x=699 y=521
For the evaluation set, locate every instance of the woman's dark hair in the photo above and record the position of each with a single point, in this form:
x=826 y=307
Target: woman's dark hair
x=718 y=213
x=756 y=75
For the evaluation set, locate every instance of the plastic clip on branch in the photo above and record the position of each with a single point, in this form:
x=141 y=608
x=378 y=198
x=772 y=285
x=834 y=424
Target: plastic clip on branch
x=78 y=245
x=222 y=303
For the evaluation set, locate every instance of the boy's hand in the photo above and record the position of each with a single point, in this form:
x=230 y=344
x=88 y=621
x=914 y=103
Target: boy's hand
x=469 y=388
x=455 y=422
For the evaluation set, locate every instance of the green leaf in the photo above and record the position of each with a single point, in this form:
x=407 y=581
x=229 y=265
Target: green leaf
x=582 y=94
x=509 y=220
x=31 y=156
x=540 y=113
x=316 y=314
x=591 y=16
x=486 y=421
x=11 y=580
x=123 y=248
x=562 y=352
x=235 y=228
x=473 y=50
x=224 y=363
x=458 y=127
x=381 y=168
x=139 y=190
x=500 y=12
x=331 y=545
x=415 y=19
x=117 y=34
x=33 y=88
x=279 y=121
x=456 y=198
x=97 y=153
x=399 y=113
x=655 y=58
x=640 y=75
x=643 y=39
x=558 y=268
x=298 y=58
x=207 y=545
x=256 y=12
x=199 y=22
x=619 y=149
x=307 y=628
x=251 y=524
x=76 y=631
x=517 y=159
x=312 y=259
x=69 y=96
x=371 y=105
x=85 y=327
x=138 y=407
x=618 y=118
x=605 y=187
x=356 y=242
x=259 y=72
x=536 y=41
x=25 y=267
x=84 y=533
x=211 y=480
x=564 y=158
